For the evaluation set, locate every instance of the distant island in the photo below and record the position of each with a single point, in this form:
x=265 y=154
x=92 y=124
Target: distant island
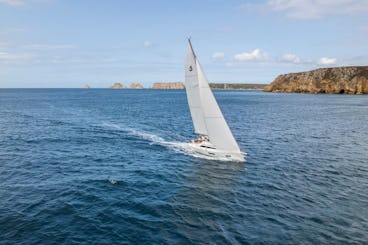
x=117 y=86
x=234 y=86
x=180 y=85
x=135 y=86
x=169 y=85
x=230 y=86
x=338 y=80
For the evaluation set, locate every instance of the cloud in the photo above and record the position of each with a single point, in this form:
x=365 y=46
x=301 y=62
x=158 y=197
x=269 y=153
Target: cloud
x=4 y=44
x=149 y=44
x=291 y=58
x=19 y=3
x=307 y=9
x=49 y=46
x=327 y=61
x=357 y=61
x=218 y=55
x=13 y=3
x=14 y=57
x=255 y=55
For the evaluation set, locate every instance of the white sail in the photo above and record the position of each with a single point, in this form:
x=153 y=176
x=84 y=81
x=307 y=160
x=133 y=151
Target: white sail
x=206 y=114
x=218 y=131
x=192 y=89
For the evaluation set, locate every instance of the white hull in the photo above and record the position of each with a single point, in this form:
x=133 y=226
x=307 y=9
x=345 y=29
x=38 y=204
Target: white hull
x=217 y=153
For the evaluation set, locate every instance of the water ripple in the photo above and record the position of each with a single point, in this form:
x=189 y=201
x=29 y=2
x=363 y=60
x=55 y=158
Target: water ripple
x=103 y=166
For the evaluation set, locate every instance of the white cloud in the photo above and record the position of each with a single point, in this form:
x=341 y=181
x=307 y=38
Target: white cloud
x=11 y=31
x=307 y=9
x=18 y=3
x=4 y=44
x=49 y=46
x=218 y=55
x=291 y=58
x=148 y=44
x=14 y=57
x=327 y=61
x=355 y=61
x=13 y=3
x=255 y=55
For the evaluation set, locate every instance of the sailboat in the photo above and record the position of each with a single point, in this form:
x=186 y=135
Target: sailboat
x=216 y=140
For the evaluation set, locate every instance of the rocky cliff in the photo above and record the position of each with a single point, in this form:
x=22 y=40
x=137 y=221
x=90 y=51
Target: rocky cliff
x=136 y=86
x=338 y=80
x=172 y=85
x=117 y=86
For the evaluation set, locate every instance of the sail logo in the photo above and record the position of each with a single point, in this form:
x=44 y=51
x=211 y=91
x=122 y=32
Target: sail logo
x=190 y=68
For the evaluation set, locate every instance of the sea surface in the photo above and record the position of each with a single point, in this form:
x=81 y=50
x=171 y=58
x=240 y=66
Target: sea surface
x=102 y=166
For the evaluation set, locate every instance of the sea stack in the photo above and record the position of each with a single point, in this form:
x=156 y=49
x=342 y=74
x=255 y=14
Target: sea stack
x=117 y=86
x=135 y=86
x=338 y=80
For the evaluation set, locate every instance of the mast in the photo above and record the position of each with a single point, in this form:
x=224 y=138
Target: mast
x=191 y=48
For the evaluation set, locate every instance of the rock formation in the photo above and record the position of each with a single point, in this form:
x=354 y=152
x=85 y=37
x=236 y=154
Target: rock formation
x=235 y=86
x=117 y=86
x=171 y=85
x=230 y=86
x=136 y=86
x=86 y=86
x=338 y=80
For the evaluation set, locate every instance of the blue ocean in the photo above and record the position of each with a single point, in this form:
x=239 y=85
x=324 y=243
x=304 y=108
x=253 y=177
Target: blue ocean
x=101 y=166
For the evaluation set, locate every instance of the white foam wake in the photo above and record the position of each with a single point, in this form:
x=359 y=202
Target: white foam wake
x=151 y=138
x=177 y=146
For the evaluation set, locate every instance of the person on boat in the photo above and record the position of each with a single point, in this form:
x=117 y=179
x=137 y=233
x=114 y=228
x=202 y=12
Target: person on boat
x=198 y=141
x=201 y=139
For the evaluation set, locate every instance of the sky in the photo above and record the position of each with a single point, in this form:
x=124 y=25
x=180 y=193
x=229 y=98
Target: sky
x=69 y=43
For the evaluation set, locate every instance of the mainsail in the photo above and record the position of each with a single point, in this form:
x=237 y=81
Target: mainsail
x=193 y=96
x=206 y=114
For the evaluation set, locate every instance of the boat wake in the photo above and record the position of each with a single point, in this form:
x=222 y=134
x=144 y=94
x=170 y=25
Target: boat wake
x=151 y=138
x=177 y=146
